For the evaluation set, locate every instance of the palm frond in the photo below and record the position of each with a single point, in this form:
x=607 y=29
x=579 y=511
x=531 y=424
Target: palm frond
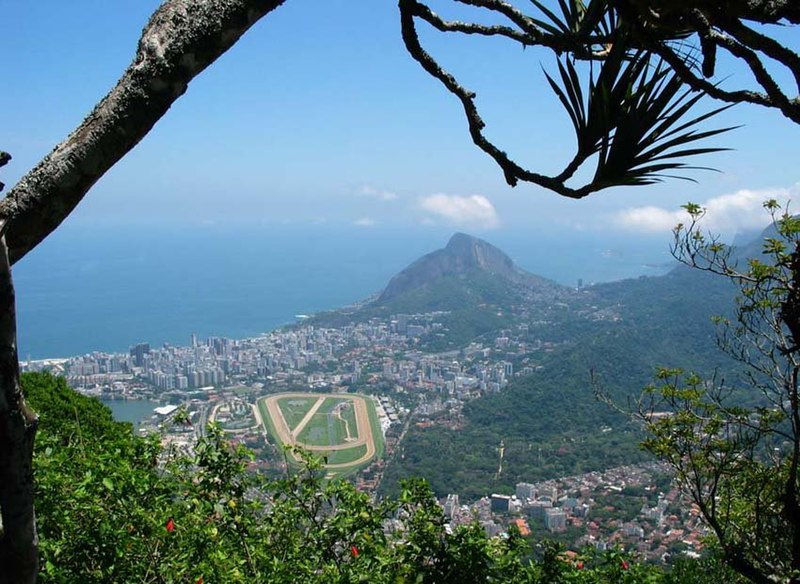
x=607 y=22
x=571 y=95
x=571 y=19
x=554 y=24
x=636 y=117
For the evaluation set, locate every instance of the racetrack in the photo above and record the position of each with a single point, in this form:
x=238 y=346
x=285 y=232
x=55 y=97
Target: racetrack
x=286 y=435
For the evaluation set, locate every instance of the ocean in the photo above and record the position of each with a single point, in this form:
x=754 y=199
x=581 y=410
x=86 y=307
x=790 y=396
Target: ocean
x=107 y=287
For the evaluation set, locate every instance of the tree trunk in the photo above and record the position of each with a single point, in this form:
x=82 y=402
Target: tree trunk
x=181 y=39
x=18 y=539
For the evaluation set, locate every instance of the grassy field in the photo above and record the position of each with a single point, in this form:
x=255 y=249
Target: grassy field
x=347 y=455
x=293 y=409
x=349 y=415
x=324 y=428
x=329 y=404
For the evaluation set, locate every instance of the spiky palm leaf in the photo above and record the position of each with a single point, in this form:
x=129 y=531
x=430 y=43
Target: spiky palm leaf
x=634 y=117
x=577 y=18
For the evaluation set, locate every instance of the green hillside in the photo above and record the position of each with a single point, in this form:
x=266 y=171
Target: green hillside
x=113 y=507
x=550 y=422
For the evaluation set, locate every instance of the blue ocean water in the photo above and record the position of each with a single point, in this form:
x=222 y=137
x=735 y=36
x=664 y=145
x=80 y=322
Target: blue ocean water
x=103 y=287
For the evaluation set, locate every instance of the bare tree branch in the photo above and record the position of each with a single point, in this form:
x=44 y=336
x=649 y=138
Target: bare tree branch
x=5 y=157
x=769 y=46
x=409 y=9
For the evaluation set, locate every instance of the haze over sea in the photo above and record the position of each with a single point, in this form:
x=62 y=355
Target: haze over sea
x=105 y=288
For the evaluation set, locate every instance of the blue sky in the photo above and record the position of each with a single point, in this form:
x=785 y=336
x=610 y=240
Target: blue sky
x=318 y=116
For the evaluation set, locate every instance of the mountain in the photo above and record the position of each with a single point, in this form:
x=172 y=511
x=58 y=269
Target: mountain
x=549 y=423
x=476 y=286
x=471 y=279
x=463 y=257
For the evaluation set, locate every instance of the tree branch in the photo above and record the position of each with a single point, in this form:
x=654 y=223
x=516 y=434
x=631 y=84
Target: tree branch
x=182 y=38
x=789 y=108
x=409 y=9
x=5 y=157
x=769 y=46
x=522 y=37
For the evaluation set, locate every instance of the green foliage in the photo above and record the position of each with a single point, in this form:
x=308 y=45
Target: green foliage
x=548 y=430
x=125 y=510
x=633 y=118
x=554 y=409
x=738 y=458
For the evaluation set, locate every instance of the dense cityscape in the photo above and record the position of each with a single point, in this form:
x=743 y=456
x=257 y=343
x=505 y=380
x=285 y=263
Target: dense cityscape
x=220 y=379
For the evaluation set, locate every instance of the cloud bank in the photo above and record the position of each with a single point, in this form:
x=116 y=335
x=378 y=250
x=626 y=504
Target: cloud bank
x=729 y=213
x=466 y=211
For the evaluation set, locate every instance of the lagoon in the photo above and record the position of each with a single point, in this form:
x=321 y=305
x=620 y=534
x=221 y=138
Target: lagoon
x=133 y=410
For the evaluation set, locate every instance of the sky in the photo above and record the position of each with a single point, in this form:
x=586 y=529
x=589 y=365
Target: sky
x=319 y=116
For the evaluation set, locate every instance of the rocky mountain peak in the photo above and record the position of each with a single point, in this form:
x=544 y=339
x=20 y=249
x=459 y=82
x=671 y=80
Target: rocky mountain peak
x=463 y=255
x=471 y=252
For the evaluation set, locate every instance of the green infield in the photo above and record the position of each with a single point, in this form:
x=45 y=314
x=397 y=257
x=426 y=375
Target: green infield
x=347 y=455
x=328 y=427
x=342 y=429
x=294 y=409
x=348 y=414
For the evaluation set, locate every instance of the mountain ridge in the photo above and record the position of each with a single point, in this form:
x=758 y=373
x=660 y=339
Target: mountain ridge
x=612 y=335
x=464 y=255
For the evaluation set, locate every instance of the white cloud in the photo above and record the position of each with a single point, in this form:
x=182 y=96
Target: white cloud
x=372 y=192
x=649 y=218
x=726 y=214
x=469 y=211
x=364 y=222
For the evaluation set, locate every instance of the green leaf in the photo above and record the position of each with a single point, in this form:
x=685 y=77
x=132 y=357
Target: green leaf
x=635 y=115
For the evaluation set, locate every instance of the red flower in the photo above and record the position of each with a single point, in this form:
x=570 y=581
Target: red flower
x=170 y=526
x=199 y=580
x=625 y=565
x=354 y=551
x=579 y=565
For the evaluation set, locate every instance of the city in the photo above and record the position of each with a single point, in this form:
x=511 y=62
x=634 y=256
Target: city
x=633 y=507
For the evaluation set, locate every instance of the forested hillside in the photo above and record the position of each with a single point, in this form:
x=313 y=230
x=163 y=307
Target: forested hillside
x=113 y=507
x=550 y=422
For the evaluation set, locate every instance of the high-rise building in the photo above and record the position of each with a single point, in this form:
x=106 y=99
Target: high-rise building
x=555 y=519
x=500 y=503
x=450 y=506
x=526 y=491
x=402 y=323
x=538 y=508
x=138 y=353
